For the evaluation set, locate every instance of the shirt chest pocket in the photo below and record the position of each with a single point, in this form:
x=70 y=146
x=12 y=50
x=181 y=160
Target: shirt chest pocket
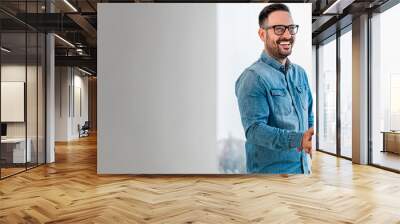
x=281 y=101
x=302 y=94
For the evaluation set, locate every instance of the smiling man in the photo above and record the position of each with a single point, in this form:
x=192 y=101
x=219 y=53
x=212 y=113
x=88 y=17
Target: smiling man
x=275 y=101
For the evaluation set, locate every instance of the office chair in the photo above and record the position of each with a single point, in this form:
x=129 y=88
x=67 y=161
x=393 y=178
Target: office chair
x=84 y=130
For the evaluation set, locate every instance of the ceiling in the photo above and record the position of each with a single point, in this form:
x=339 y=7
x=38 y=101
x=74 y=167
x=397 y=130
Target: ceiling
x=76 y=22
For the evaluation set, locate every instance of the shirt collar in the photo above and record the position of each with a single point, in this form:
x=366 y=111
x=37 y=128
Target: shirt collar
x=274 y=63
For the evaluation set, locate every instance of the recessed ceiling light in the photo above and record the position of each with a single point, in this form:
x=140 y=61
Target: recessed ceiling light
x=70 y=5
x=338 y=6
x=5 y=50
x=84 y=71
x=64 y=40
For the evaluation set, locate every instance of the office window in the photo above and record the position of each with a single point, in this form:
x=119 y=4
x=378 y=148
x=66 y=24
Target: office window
x=385 y=89
x=327 y=97
x=346 y=94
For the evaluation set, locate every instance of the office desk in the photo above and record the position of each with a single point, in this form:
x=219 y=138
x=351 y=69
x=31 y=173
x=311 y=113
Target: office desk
x=391 y=141
x=13 y=150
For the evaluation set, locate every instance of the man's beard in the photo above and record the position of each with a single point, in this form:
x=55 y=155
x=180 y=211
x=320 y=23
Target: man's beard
x=275 y=48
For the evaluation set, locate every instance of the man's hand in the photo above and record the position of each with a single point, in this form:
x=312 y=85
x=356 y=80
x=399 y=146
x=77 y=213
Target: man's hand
x=306 y=142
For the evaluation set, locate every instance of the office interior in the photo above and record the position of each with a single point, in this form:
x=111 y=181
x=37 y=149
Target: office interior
x=334 y=58
x=30 y=56
x=49 y=85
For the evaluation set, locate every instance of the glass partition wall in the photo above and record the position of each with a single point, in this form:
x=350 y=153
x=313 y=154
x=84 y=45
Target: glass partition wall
x=22 y=88
x=334 y=104
x=327 y=96
x=13 y=89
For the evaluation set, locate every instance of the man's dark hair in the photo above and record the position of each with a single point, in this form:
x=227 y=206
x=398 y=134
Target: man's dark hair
x=270 y=9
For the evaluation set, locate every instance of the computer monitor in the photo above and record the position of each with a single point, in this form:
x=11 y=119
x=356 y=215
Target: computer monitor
x=3 y=129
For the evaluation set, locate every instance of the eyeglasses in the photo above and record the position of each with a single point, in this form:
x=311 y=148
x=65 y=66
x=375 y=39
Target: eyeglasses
x=280 y=29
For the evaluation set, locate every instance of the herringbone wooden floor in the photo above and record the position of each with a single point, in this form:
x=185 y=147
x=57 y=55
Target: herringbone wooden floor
x=70 y=191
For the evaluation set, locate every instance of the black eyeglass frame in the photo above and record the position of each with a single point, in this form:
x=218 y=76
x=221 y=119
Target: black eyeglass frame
x=294 y=27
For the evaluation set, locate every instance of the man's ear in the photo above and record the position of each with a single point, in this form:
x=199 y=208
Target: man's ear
x=262 y=33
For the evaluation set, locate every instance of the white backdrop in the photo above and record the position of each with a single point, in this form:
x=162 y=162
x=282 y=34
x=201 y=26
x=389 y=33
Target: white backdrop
x=166 y=83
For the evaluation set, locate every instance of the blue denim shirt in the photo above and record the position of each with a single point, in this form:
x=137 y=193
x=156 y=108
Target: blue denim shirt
x=275 y=104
